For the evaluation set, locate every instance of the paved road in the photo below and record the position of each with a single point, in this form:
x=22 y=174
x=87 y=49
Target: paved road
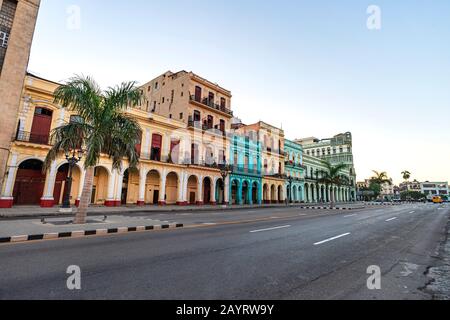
x=298 y=254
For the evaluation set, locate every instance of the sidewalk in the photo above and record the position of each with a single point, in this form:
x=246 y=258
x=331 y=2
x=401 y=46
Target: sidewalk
x=35 y=211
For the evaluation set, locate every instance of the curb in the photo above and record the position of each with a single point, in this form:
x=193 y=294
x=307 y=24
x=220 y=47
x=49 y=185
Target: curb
x=87 y=233
x=328 y=208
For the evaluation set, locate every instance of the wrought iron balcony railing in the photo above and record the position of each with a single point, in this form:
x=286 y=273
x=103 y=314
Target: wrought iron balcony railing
x=211 y=104
x=24 y=136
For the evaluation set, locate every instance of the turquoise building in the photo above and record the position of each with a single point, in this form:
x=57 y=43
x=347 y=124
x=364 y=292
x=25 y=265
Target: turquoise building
x=246 y=178
x=295 y=172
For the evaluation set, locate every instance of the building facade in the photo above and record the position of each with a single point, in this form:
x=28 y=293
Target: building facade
x=431 y=189
x=336 y=150
x=272 y=157
x=17 y=24
x=178 y=164
x=295 y=171
x=180 y=157
x=318 y=192
x=246 y=174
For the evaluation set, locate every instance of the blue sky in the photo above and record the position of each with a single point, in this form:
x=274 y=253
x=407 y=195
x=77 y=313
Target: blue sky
x=311 y=66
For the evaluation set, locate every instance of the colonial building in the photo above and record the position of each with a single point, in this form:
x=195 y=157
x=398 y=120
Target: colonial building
x=17 y=23
x=246 y=175
x=338 y=149
x=295 y=171
x=272 y=157
x=316 y=191
x=178 y=164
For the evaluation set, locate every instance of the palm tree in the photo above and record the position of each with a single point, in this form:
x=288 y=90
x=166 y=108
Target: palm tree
x=102 y=128
x=406 y=175
x=381 y=178
x=333 y=177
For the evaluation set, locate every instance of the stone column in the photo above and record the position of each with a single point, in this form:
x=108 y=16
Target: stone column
x=110 y=201
x=226 y=186
x=47 y=200
x=180 y=191
x=6 y=199
x=142 y=183
x=118 y=201
x=213 y=192
x=200 y=191
x=162 y=188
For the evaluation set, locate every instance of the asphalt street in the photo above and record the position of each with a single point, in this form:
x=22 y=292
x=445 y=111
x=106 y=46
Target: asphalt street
x=280 y=254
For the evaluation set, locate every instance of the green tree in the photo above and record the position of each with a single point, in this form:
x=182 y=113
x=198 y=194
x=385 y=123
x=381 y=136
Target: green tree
x=103 y=128
x=332 y=177
x=406 y=175
x=381 y=178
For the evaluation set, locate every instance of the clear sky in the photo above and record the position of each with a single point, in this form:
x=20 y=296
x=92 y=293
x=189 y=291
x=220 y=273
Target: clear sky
x=313 y=66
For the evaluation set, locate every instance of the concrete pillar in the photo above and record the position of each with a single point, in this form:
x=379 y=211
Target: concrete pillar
x=227 y=190
x=110 y=200
x=181 y=187
x=213 y=192
x=200 y=191
x=162 y=191
x=6 y=199
x=142 y=183
x=118 y=201
x=47 y=200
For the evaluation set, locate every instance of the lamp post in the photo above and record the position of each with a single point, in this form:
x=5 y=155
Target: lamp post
x=290 y=189
x=73 y=156
x=224 y=172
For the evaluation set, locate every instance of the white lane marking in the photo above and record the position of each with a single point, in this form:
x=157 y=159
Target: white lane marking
x=274 y=217
x=331 y=239
x=350 y=215
x=209 y=224
x=302 y=214
x=270 y=229
x=391 y=219
x=412 y=211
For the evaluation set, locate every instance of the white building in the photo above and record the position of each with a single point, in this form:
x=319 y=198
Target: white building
x=431 y=189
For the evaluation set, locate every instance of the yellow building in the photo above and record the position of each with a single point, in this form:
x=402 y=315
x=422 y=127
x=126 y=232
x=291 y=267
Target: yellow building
x=179 y=157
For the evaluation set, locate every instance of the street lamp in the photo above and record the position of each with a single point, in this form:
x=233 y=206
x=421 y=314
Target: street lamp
x=225 y=170
x=73 y=156
x=290 y=189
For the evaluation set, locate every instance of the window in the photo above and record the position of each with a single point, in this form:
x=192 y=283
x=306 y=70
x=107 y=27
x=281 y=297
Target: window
x=198 y=94
x=223 y=103
x=175 y=150
x=182 y=93
x=154 y=106
x=172 y=95
x=197 y=115
x=210 y=122
x=149 y=88
x=156 y=85
x=170 y=116
x=210 y=99
x=163 y=100
x=156 y=147
x=222 y=125
x=181 y=116
x=42 y=111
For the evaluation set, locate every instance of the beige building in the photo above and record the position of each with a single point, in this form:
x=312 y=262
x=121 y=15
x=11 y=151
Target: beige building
x=178 y=163
x=17 y=23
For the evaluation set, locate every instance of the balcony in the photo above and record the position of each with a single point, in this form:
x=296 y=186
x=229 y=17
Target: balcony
x=24 y=136
x=206 y=102
x=205 y=127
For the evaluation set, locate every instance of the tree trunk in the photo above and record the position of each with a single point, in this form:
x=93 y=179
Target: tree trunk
x=85 y=199
x=332 y=197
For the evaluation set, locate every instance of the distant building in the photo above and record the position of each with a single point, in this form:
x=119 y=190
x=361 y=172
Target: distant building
x=431 y=189
x=334 y=150
x=410 y=186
